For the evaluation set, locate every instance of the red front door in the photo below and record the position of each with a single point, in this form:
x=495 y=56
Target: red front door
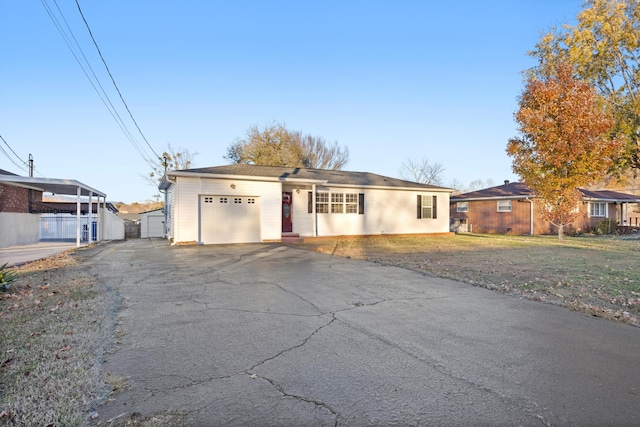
x=287 y=224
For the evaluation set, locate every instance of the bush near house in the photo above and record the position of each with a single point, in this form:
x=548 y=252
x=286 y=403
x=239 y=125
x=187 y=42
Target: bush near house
x=606 y=226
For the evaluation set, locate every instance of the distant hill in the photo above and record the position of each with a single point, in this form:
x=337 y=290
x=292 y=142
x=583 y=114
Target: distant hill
x=136 y=207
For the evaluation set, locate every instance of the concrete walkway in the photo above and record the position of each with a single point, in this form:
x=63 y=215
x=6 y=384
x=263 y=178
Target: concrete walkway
x=22 y=254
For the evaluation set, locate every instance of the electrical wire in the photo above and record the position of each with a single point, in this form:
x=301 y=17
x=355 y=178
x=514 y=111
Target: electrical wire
x=95 y=81
x=9 y=157
x=113 y=80
x=16 y=155
x=88 y=71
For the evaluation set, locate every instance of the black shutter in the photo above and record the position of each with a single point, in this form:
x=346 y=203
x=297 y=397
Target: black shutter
x=361 y=203
x=419 y=206
x=310 y=202
x=435 y=207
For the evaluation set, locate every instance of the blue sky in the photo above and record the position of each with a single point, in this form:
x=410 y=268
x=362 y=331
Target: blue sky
x=390 y=80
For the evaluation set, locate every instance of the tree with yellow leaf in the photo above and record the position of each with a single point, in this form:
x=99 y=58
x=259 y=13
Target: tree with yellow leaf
x=604 y=49
x=565 y=141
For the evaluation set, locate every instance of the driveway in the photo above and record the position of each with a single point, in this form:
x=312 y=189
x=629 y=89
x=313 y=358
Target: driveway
x=272 y=335
x=22 y=254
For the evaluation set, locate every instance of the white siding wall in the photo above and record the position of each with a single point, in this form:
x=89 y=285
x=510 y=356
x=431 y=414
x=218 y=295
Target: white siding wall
x=386 y=212
x=185 y=221
x=302 y=219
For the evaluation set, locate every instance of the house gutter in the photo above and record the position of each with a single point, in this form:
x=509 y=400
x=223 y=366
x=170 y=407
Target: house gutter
x=476 y=199
x=527 y=199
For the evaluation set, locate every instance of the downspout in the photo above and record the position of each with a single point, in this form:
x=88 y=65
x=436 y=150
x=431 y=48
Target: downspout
x=530 y=214
x=315 y=210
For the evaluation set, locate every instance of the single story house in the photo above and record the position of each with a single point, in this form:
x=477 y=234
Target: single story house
x=247 y=203
x=513 y=208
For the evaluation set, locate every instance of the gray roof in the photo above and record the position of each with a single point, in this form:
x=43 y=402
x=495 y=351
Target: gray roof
x=337 y=177
x=608 y=195
x=510 y=190
x=517 y=190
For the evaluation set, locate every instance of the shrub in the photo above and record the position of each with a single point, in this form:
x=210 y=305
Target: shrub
x=605 y=226
x=7 y=277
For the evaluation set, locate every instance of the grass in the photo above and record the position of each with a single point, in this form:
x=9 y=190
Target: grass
x=57 y=323
x=594 y=275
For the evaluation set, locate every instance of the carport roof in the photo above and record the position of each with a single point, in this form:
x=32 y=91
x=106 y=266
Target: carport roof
x=321 y=176
x=51 y=185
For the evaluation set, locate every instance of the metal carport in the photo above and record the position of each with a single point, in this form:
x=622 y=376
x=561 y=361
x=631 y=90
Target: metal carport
x=60 y=186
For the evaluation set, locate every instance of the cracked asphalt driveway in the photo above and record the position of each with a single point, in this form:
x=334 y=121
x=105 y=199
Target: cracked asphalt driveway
x=273 y=335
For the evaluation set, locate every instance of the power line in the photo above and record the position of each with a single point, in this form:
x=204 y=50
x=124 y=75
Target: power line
x=16 y=155
x=88 y=71
x=113 y=80
x=9 y=157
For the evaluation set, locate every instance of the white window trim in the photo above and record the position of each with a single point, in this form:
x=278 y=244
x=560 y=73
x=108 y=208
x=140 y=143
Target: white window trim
x=505 y=210
x=606 y=210
x=351 y=206
x=322 y=199
x=459 y=207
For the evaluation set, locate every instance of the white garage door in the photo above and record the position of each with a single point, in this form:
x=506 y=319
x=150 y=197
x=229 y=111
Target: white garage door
x=225 y=219
x=155 y=226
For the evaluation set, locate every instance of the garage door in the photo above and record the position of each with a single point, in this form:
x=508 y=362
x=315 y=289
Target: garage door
x=225 y=219
x=155 y=226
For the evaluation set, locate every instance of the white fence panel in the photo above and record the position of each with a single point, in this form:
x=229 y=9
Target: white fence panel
x=64 y=226
x=111 y=226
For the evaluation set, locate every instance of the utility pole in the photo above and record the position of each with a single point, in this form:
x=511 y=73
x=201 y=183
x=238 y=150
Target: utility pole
x=30 y=166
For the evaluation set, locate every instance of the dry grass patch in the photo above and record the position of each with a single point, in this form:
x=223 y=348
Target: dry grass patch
x=595 y=275
x=57 y=323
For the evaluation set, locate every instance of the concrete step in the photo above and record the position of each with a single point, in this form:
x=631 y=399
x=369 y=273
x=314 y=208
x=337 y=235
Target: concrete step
x=291 y=238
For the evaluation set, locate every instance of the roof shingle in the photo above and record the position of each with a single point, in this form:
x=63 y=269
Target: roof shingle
x=330 y=176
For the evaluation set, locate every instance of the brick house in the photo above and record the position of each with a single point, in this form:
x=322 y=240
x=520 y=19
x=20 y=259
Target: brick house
x=17 y=199
x=513 y=208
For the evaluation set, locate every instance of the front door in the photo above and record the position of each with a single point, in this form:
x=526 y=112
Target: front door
x=287 y=224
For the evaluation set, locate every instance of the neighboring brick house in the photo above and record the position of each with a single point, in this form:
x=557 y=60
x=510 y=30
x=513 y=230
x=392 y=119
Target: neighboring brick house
x=513 y=208
x=17 y=199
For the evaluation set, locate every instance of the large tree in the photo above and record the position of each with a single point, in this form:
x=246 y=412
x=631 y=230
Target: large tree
x=604 y=49
x=275 y=145
x=565 y=141
x=172 y=159
x=422 y=171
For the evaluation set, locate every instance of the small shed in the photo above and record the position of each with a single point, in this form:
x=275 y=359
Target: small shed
x=152 y=224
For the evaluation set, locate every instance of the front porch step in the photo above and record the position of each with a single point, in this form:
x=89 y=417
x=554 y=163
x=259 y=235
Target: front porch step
x=291 y=238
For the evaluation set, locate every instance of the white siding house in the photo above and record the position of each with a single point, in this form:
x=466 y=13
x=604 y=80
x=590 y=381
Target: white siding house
x=247 y=203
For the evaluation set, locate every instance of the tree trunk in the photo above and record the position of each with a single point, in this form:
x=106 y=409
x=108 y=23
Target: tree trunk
x=561 y=232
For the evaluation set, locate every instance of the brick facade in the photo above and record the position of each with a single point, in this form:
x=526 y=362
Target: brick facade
x=483 y=217
x=17 y=199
